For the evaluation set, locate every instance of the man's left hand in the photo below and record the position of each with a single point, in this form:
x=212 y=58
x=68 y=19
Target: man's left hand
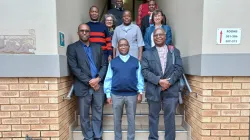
x=167 y=86
x=94 y=82
x=109 y=58
x=97 y=87
x=139 y=98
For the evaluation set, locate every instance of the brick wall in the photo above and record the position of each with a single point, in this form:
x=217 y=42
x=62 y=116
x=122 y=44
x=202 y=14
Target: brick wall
x=218 y=108
x=35 y=107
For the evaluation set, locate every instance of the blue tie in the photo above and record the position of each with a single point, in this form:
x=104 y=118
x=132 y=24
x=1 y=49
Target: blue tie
x=92 y=65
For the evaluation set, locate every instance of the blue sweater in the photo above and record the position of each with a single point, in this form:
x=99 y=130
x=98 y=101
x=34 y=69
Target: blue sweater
x=124 y=80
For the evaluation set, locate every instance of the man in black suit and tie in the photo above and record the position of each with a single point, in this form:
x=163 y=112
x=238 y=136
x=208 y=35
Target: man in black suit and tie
x=162 y=88
x=87 y=64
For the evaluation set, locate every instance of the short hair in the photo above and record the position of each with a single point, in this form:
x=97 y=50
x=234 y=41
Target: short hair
x=144 y=1
x=81 y=25
x=157 y=11
x=126 y=11
x=152 y=0
x=124 y=40
x=160 y=29
x=113 y=17
x=93 y=7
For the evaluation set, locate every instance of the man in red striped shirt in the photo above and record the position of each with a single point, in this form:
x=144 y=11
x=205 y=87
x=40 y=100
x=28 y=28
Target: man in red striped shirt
x=99 y=33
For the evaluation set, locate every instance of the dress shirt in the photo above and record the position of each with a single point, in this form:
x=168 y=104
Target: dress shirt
x=162 y=52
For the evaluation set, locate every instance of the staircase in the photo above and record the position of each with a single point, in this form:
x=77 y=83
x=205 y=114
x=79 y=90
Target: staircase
x=141 y=125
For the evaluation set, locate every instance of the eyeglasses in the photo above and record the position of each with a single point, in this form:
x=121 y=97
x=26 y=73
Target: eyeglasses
x=123 y=45
x=82 y=31
x=109 y=20
x=159 y=35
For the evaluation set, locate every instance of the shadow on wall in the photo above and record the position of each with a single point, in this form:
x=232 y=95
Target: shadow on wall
x=18 y=42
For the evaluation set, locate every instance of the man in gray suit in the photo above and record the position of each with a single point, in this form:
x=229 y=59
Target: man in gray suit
x=162 y=84
x=87 y=64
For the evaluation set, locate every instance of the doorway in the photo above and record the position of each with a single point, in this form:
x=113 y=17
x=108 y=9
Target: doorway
x=131 y=5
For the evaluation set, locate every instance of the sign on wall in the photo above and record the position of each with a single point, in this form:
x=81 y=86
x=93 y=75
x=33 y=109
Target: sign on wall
x=61 y=39
x=228 y=36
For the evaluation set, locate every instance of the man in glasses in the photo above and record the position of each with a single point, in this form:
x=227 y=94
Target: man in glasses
x=162 y=86
x=85 y=60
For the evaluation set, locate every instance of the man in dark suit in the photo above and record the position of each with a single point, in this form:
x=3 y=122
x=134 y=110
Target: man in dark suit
x=162 y=84
x=87 y=64
x=117 y=11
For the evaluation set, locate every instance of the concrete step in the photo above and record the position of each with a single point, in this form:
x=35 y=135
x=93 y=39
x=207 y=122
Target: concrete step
x=141 y=109
x=141 y=133
x=140 y=120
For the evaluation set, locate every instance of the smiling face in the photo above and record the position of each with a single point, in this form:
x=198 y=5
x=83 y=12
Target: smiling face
x=94 y=13
x=109 y=22
x=127 y=18
x=119 y=3
x=151 y=6
x=158 y=17
x=159 y=37
x=123 y=47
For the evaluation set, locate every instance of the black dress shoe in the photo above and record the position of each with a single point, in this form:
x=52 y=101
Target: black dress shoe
x=97 y=138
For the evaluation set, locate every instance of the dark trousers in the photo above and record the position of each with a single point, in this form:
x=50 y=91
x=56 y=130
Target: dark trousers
x=169 y=107
x=94 y=100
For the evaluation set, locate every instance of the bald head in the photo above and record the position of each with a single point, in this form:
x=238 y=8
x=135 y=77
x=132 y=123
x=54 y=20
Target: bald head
x=83 y=24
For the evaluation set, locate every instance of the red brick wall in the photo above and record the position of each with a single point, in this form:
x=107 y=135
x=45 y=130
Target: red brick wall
x=35 y=107
x=218 y=108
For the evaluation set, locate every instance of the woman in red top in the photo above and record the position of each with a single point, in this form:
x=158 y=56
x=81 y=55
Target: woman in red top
x=143 y=11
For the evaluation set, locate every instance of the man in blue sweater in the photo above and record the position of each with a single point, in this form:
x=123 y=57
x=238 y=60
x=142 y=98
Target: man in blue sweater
x=124 y=85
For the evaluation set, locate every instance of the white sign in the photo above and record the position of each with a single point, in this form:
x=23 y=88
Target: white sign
x=228 y=35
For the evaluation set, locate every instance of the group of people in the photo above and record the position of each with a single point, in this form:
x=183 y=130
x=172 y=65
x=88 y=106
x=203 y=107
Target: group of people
x=112 y=60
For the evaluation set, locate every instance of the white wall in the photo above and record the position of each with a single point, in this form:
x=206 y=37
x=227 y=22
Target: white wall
x=71 y=13
x=194 y=24
x=225 y=14
x=18 y=16
x=185 y=18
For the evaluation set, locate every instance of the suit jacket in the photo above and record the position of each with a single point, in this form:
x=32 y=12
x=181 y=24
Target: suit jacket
x=79 y=65
x=152 y=72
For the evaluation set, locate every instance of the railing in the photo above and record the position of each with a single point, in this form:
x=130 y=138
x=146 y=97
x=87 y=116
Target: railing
x=187 y=84
x=70 y=93
x=187 y=91
x=103 y=11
